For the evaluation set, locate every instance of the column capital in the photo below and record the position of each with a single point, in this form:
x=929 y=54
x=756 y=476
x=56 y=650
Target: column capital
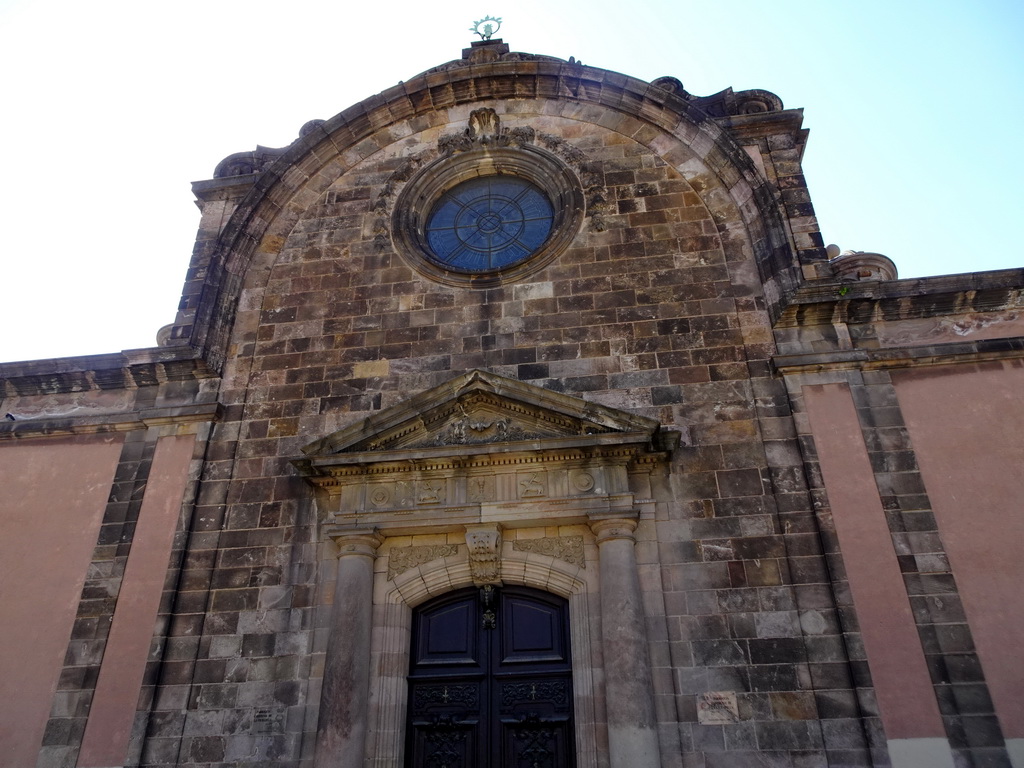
x=610 y=528
x=356 y=541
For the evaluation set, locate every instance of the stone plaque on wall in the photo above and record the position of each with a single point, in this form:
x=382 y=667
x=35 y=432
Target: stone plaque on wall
x=717 y=708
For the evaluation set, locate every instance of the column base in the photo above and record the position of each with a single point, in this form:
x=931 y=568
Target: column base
x=1015 y=749
x=920 y=753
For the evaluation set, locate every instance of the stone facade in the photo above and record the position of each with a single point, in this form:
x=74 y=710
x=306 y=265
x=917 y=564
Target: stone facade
x=718 y=446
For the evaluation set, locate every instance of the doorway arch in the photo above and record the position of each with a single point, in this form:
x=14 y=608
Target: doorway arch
x=396 y=598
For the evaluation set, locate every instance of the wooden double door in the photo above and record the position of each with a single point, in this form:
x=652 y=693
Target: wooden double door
x=490 y=681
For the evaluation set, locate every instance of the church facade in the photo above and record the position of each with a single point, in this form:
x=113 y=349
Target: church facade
x=519 y=416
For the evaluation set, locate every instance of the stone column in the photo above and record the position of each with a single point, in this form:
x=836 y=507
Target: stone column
x=629 y=691
x=341 y=730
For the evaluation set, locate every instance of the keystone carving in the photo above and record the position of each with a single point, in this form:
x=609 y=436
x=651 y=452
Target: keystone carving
x=484 y=542
x=484 y=124
x=484 y=128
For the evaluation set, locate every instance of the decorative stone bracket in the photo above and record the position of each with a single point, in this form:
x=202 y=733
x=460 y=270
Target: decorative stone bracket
x=484 y=542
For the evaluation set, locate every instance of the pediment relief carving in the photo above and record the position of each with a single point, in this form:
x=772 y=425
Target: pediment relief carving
x=479 y=418
x=481 y=446
x=481 y=408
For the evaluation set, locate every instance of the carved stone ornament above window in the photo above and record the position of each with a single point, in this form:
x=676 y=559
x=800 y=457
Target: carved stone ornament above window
x=483 y=448
x=491 y=207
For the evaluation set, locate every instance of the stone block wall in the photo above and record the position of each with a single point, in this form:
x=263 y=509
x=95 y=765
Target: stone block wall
x=792 y=533
x=658 y=313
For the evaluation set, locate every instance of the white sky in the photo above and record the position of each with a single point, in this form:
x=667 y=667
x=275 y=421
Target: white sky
x=111 y=108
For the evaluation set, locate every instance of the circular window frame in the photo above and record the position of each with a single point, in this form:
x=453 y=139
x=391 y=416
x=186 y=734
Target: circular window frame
x=418 y=198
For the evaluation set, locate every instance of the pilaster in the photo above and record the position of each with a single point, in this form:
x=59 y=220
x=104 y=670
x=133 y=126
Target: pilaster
x=344 y=703
x=632 y=723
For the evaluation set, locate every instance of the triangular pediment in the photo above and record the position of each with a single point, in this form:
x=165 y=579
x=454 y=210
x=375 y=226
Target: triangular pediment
x=482 y=408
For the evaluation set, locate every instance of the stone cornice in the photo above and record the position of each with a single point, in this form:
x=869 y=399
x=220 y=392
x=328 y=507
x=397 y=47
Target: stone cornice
x=756 y=126
x=560 y=416
x=901 y=357
x=43 y=426
x=405 y=468
x=230 y=188
x=617 y=447
x=129 y=369
x=826 y=303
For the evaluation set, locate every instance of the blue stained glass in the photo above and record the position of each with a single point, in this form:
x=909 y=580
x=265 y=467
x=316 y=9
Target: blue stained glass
x=488 y=223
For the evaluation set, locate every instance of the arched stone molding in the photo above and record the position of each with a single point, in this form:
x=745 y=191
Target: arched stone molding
x=685 y=137
x=394 y=600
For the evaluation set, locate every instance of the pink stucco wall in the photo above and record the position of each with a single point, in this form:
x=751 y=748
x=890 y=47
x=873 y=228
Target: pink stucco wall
x=967 y=427
x=906 y=699
x=54 y=493
x=124 y=659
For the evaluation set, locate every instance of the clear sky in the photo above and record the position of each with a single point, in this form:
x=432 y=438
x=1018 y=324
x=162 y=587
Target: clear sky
x=112 y=107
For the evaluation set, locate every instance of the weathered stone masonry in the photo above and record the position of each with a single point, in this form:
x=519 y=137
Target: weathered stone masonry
x=682 y=415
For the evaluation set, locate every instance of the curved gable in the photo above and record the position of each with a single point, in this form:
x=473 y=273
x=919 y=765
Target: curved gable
x=662 y=118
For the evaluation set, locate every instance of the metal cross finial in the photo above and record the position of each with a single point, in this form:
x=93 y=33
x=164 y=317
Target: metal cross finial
x=486 y=27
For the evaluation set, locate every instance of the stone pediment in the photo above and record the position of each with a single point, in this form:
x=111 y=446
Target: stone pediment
x=482 y=448
x=483 y=409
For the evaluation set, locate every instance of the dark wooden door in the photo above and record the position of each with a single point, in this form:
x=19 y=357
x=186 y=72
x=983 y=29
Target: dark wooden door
x=490 y=681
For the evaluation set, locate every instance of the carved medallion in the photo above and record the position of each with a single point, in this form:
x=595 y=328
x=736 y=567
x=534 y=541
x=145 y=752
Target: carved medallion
x=582 y=481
